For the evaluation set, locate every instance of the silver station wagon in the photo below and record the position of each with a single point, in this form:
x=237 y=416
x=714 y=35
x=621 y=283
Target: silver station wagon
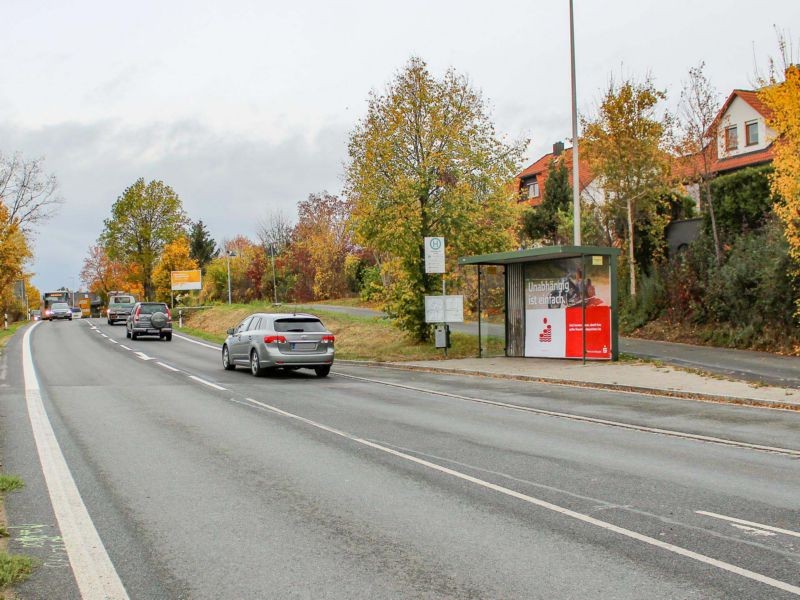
x=266 y=341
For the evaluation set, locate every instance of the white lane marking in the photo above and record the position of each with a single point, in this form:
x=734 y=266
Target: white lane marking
x=113 y=341
x=124 y=346
x=753 y=530
x=574 y=417
x=208 y=383
x=782 y=585
x=143 y=356
x=104 y=335
x=181 y=337
x=749 y=523
x=168 y=367
x=93 y=569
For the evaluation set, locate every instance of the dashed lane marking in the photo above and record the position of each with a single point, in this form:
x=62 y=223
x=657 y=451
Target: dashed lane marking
x=208 y=383
x=750 y=523
x=166 y=366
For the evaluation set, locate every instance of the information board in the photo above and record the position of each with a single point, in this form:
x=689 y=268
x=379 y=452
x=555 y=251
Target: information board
x=444 y=309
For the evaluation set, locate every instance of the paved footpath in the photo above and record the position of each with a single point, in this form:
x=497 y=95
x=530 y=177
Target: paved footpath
x=638 y=377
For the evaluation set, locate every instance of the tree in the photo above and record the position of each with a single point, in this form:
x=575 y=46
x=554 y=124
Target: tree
x=782 y=97
x=320 y=244
x=699 y=132
x=276 y=231
x=103 y=275
x=541 y=223
x=624 y=145
x=425 y=161
x=14 y=251
x=176 y=256
x=27 y=191
x=143 y=220
x=202 y=246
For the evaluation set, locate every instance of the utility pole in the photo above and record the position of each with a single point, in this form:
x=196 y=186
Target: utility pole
x=576 y=191
x=274 y=286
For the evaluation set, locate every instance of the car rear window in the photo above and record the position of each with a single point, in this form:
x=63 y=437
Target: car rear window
x=149 y=309
x=122 y=300
x=299 y=324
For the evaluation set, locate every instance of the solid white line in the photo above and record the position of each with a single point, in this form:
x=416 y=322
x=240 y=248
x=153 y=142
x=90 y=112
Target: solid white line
x=124 y=346
x=208 y=383
x=93 y=569
x=750 y=523
x=181 y=337
x=553 y=413
x=782 y=585
x=169 y=367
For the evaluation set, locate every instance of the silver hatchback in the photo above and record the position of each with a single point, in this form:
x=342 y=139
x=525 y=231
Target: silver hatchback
x=266 y=341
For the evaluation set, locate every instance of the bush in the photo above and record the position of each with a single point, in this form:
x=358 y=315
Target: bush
x=742 y=201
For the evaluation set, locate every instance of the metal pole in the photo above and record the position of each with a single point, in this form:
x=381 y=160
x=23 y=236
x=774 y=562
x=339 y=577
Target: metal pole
x=274 y=285
x=583 y=303
x=576 y=192
x=480 y=343
x=444 y=310
x=228 y=260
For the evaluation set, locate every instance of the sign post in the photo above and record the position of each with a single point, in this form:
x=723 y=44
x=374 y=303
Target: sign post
x=435 y=263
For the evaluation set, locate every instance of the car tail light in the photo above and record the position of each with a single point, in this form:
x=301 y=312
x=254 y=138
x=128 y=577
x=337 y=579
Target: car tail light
x=329 y=338
x=271 y=339
x=136 y=314
x=169 y=314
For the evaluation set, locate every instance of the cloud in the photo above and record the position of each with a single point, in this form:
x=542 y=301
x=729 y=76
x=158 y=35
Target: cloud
x=229 y=181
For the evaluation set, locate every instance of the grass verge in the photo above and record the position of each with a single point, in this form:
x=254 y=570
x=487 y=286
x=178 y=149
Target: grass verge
x=357 y=337
x=5 y=334
x=14 y=568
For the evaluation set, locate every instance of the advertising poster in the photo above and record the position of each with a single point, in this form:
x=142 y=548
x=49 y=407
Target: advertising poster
x=558 y=297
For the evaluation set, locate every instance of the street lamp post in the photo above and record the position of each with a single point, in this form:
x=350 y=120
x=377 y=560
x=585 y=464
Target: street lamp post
x=228 y=254
x=576 y=192
x=274 y=286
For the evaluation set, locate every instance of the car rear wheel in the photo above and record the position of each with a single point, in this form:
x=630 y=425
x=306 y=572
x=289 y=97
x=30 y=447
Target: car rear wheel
x=226 y=359
x=168 y=337
x=134 y=335
x=255 y=365
x=127 y=334
x=322 y=371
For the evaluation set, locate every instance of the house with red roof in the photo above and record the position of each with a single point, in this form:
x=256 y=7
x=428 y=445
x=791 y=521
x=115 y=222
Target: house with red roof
x=531 y=181
x=744 y=139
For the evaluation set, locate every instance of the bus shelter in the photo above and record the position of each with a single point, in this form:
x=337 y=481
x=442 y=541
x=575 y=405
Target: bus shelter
x=560 y=301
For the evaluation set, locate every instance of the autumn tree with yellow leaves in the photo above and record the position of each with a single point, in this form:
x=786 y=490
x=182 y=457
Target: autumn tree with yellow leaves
x=782 y=98
x=426 y=161
x=176 y=256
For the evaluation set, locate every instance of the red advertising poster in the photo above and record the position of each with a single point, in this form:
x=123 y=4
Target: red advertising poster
x=559 y=299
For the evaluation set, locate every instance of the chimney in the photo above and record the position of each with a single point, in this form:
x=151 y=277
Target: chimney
x=558 y=148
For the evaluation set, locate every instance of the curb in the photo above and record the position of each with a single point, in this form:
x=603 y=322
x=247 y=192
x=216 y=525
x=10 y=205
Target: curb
x=697 y=396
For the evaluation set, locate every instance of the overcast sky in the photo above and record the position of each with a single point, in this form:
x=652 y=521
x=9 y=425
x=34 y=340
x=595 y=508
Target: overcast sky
x=244 y=108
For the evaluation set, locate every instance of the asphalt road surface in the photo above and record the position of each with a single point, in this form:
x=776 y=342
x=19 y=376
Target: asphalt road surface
x=379 y=483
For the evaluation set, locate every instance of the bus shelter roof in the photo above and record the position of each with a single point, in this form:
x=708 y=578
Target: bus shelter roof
x=537 y=254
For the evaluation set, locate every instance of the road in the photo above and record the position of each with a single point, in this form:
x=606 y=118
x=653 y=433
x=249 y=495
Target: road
x=761 y=367
x=377 y=483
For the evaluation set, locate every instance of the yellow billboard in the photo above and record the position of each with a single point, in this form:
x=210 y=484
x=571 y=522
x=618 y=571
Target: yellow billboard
x=186 y=280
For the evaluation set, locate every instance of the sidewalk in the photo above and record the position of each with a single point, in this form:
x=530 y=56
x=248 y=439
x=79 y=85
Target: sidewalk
x=633 y=377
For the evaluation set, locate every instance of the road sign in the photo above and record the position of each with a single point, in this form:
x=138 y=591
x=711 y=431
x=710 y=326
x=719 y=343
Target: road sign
x=434 y=255
x=444 y=309
x=186 y=280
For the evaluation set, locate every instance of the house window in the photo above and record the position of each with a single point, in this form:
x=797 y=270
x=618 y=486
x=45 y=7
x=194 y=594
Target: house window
x=751 y=133
x=731 y=138
x=533 y=188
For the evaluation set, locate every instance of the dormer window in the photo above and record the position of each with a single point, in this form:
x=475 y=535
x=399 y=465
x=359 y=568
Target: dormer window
x=751 y=133
x=533 y=188
x=731 y=138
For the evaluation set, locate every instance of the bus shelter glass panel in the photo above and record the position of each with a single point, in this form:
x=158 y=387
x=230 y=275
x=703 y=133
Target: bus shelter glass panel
x=559 y=298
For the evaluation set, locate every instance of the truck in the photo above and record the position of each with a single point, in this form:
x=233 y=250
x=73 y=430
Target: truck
x=120 y=306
